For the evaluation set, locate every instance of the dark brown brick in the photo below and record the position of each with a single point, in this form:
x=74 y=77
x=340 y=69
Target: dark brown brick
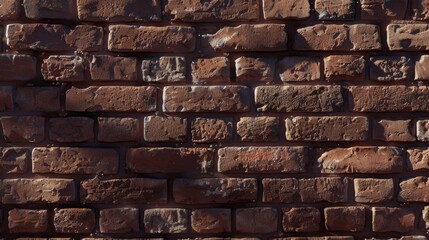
x=385 y=219
x=26 y=129
x=10 y=9
x=28 y=221
x=258 y=129
x=256 y=220
x=205 y=130
x=210 y=70
x=248 y=69
x=14 y=160
x=344 y=67
x=17 y=67
x=422 y=130
x=418 y=159
x=329 y=189
x=43 y=99
x=119 y=220
x=408 y=37
x=299 y=69
x=165 y=129
x=6 y=98
x=393 y=130
x=165 y=220
x=420 y=9
x=118 y=129
x=211 y=220
x=383 y=9
x=109 y=68
x=350 y=219
x=298 y=9
x=335 y=9
x=40 y=9
x=164 y=69
x=373 y=190
x=301 y=219
x=414 y=190
x=71 y=129
x=279 y=190
x=386 y=69
x=74 y=220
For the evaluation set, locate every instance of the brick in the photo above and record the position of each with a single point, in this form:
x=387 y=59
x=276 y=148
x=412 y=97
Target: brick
x=215 y=190
x=165 y=220
x=43 y=99
x=119 y=220
x=327 y=129
x=119 y=11
x=350 y=219
x=256 y=220
x=63 y=68
x=299 y=69
x=301 y=219
x=257 y=129
x=6 y=99
x=420 y=68
x=335 y=9
x=109 y=68
x=111 y=98
x=414 y=190
x=118 y=129
x=407 y=37
x=170 y=160
x=422 y=130
x=344 y=67
x=373 y=190
x=74 y=220
x=320 y=238
x=231 y=98
x=279 y=190
x=37 y=190
x=14 y=160
x=248 y=69
x=211 y=220
x=219 y=11
x=299 y=9
x=28 y=221
x=393 y=130
x=420 y=9
x=328 y=189
x=25 y=129
x=54 y=37
x=210 y=70
x=390 y=68
x=247 y=37
x=262 y=159
x=40 y=9
x=425 y=215
x=385 y=219
x=72 y=160
x=71 y=129
x=418 y=159
x=164 y=69
x=368 y=160
x=206 y=130
x=17 y=67
x=133 y=38
x=332 y=37
x=165 y=129
x=10 y=9
x=383 y=9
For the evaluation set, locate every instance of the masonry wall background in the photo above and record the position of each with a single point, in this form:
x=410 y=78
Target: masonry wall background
x=214 y=119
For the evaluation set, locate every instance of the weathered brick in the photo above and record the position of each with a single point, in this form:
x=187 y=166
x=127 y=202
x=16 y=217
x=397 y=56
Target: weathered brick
x=109 y=68
x=165 y=129
x=6 y=98
x=299 y=69
x=215 y=190
x=17 y=67
x=63 y=68
x=385 y=219
x=231 y=98
x=28 y=221
x=390 y=68
x=127 y=190
x=279 y=190
x=30 y=129
x=393 y=130
x=335 y=37
x=422 y=130
x=255 y=129
x=170 y=160
x=10 y=9
x=54 y=37
x=211 y=220
x=420 y=68
x=335 y=9
x=350 y=219
x=37 y=190
x=383 y=9
x=111 y=98
x=14 y=160
x=210 y=70
x=329 y=189
x=40 y=9
x=119 y=10
x=298 y=9
x=376 y=160
x=418 y=159
x=119 y=220
x=414 y=190
x=165 y=220
x=262 y=159
x=71 y=129
x=373 y=190
x=164 y=69
x=247 y=37
x=344 y=67
x=408 y=37
x=118 y=129
x=327 y=129
x=301 y=219
x=420 y=9
x=256 y=220
x=68 y=160
x=74 y=220
x=43 y=99
x=205 y=130
x=126 y=38
x=248 y=69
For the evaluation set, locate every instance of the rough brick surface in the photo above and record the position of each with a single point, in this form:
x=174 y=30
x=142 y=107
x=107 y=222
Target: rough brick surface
x=298 y=69
x=29 y=129
x=71 y=129
x=249 y=69
x=256 y=220
x=14 y=160
x=335 y=9
x=345 y=218
x=28 y=221
x=279 y=190
x=205 y=130
x=255 y=129
x=411 y=37
x=383 y=9
x=286 y=10
x=46 y=99
x=168 y=220
x=108 y=68
x=373 y=190
x=385 y=219
x=344 y=67
x=164 y=69
x=17 y=67
x=74 y=220
x=165 y=129
x=302 y=219
x=119 y=220
x=211 y=220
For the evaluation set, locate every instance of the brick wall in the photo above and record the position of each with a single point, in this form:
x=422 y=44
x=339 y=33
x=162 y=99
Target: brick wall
x=255 y=119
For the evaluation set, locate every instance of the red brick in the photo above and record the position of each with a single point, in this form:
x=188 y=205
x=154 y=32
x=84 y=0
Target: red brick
x=127 y=190
x=231 y=98
x=407 y=37
x=279 y=190
x=10 y=9
x=74 y=220
x=262 y=159
x=205 y=130
x=165 y=129
x=111 y=98
x=17 y=67
x=6 y=98
x=165 y=220
x=373 y=190
x=299 y=69
x=37 y=190
x=329 y=189
x=344 y=67
x=14 y=160
x=43 y=99
x=386 y=219
x=383 y=9
x=420 y=9
x=298 y=98
x=215 y=190
x=54 y=37
x=119 y=220
x=385 y=69
x=350 y=219
x=301 y=219
x=211 y=220
x=418 y=159
x=40 y=9
x=393 y=130
x=164 y=69
x=28 y=221
x=249 y=69
x=119 y=10
x=210 y=70
x=258 y=129
x=109 y=68
x=118 y=129
x=335 y=9
x=26 y=129
x=71 y=129
x=420 y=68
x=256 y=220
x=414 y=190
x=298 y=9
x=68 y=160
